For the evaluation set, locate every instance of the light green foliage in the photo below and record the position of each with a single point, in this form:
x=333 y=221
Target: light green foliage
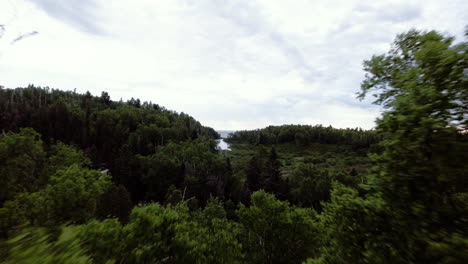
x=346 y=223
x=157 y=234
x=39 y=246
x=62 y=156
x=275 y=232
x=150 y=234
x=213 y=210
x=211 y=238
x=21 y=157
x=73 y=193
x=149 y=237
x=103 y=240
x=70 y=196
x=62 y=191
x=215 y=242
x=421 y=80
x=420 y=61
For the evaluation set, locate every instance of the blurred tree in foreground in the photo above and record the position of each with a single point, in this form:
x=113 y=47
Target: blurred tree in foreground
x=418 y=187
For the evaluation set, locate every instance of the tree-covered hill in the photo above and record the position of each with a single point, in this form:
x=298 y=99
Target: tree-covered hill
x=93 y=121
x=112 y=134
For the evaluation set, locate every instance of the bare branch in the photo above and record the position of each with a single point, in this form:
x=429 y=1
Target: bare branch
x=2 y=30
x=22 y=36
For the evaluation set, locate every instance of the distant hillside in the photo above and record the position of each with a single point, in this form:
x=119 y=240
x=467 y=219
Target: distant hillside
x=306 y=134
x=80 y=118
x=225 y=133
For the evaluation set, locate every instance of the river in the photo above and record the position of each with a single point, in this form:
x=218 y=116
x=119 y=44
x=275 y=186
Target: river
x=223 y=145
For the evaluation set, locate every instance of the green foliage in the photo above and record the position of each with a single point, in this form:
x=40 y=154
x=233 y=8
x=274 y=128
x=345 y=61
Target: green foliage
x=207 y=239
x=347 y=223
x=152 y=231
x=263 y=171
x=61 y=189
x=304 y=135
x=275 y=232
x=114 y=202
x=37 y=245
x=156 y=234
x=414 y=211
x=21 y=158
x=310 y=185
x=422 y=83
x=173 y=196
x=62 y=156
x=103 y=240
x=11 y=215
x=300 y=174
x=70 y=196
x=73 y=193
x=160 y=171
x=112 y=134
x=194 y=166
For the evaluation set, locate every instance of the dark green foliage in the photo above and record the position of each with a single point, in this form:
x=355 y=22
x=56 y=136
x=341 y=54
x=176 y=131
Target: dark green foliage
x=21 y=161
x=107 y=131
x=303 y=135
x=310 y=185
x=254 y=174
x=114 y=202
x=173 y=196
x=273 y=172
x=194 y=167
x=300 y=174
x=263 y=171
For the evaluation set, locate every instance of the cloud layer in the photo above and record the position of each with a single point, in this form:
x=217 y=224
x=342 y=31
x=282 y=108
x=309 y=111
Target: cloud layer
x=231 y=64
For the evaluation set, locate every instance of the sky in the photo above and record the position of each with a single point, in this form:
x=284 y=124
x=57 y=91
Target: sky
x=232 y=65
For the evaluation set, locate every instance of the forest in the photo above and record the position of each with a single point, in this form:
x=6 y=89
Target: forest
x=85 y=179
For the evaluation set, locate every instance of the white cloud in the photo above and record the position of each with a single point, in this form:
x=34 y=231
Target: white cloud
x=231 y=64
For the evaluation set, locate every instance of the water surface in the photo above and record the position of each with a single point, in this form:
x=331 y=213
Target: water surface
x=222 y=145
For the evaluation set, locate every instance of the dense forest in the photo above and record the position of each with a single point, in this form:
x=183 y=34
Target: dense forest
x=84 y=179
x=304 y=134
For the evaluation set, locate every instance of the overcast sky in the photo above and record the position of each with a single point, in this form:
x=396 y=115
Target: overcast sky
x=230 y=64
